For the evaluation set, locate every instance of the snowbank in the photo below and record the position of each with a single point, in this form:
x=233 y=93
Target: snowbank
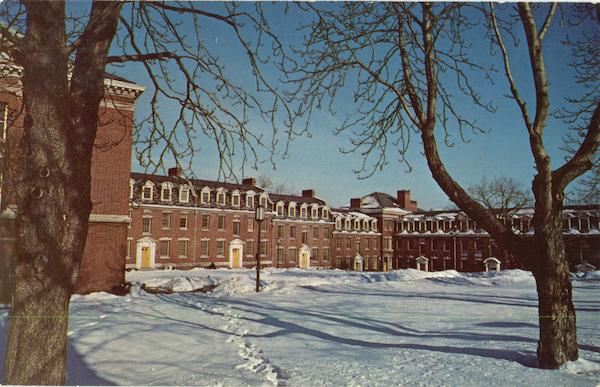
x=591 y=276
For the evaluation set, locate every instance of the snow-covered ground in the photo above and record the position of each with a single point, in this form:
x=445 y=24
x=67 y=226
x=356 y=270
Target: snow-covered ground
x=323 y=327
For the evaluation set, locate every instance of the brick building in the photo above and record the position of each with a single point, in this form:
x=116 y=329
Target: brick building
x=102 y=266
x=178 y=222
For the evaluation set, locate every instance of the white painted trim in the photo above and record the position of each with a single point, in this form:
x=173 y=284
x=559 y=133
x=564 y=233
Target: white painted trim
x=198 y=209
x=106 y=218
x=236 y=244
x=143 y=242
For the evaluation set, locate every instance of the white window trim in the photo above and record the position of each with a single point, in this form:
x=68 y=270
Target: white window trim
x=131 y=184
x=202 y=192
x=148 y=184
x=304 y=211
x=182 y=198
x=187 y=248
x=292 y=207
x=221 y=194
x=169 y=187
x=235 y=194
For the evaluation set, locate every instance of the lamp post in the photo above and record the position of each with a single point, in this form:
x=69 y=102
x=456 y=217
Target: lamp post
x=259 y=216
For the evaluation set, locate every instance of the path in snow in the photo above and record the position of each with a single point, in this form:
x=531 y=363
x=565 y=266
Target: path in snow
x=324 y=328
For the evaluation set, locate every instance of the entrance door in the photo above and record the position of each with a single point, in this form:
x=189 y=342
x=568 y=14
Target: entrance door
x=304 y=260
x=146 y=261
x=236 y=261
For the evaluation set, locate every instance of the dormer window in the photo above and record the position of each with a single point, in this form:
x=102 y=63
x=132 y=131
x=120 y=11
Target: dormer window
x=148 y=191
x=165 y=192
x=374 y=225
x=263 y=200
x=220 y=197
x=303 y=211
x=314 y=212
x=357 y=224
x=205 y=196
x=280 y=209
x=325 y=213
x=131 y=184
x=347 y=224
x=235 y=199
x=292 y=210
x=366 y=225
x=184 y=194
x=338 y=224
x=250 y=199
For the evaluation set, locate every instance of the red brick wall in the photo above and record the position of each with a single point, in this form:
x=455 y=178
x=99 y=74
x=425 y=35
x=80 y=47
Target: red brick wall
x=102 y=265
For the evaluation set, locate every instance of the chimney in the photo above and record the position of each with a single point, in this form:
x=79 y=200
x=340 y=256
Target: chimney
x=405 y=202
x=249 y=181
x=355 y=202
x=176 y=171
x=308 y=193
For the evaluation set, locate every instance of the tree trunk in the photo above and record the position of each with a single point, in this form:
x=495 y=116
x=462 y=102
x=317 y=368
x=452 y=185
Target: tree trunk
x=558 y=332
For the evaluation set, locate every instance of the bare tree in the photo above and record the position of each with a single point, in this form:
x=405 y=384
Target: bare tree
x=63 y=55
x=504 y=195
x=413 y=71
x=268 y=184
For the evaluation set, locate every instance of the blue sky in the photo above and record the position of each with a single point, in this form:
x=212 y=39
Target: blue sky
x=315 y=162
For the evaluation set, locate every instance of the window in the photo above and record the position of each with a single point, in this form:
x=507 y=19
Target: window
x=130 y=219
x=205 y=197
x=166 y=220
x=292 y=254
x=279 y=209
x=263 y=247
x=357 y=224
x=338 y=243
x=236 y=227
x=280 y=254
x=221 y=198
x=249 y=200
x=338 y=224
x=250 y=247
x=204 y=248
x=263 y=226
x=146 y=225
x=375 y=243
x=235 y=199
x=314 y=254
x=304 y=237
x=205 y=222
x=221 y=222
x=279 y=231
x=303 y=212
x=315 y=232
x=220 y=248
x=183 y=221
x=325 y=213
x=347 y=224
x=367 y=244
x=165 y=192
x=147 y=192
x=184 y=194
x=263 y=201
x=183 y=248
x=250 y=224
x=348 y=243
x=357 y=245
x=165 y=247
x=326 y=232
x=325 y=255
x=314 y=213
x=292 y=210
x=131 y=183
x=292 y=232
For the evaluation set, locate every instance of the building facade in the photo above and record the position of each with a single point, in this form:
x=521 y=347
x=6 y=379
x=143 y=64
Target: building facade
x=183 y=223
x=102 y=266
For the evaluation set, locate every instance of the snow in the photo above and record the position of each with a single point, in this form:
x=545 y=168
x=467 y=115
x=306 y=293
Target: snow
x=322 y=328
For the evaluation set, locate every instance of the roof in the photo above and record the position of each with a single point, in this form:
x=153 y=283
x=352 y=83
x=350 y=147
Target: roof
x=294 y=198
x=197 y=183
